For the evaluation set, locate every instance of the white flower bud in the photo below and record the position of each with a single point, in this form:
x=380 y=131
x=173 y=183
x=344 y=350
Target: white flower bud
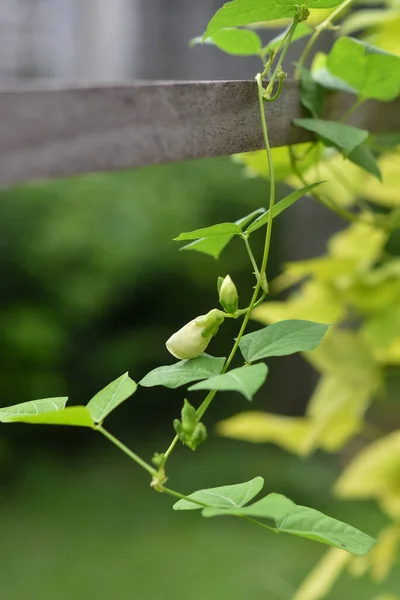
x=228 y=295
x=192 y=340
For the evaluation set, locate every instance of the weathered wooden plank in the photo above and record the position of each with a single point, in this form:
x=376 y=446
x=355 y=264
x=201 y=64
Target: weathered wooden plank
x=60 y=131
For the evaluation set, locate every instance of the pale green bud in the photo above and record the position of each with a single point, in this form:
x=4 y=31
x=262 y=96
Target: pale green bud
x=192 y=340
x=228 y=296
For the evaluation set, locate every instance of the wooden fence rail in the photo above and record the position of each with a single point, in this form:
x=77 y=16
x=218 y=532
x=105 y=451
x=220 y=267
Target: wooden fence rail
x=55 y=130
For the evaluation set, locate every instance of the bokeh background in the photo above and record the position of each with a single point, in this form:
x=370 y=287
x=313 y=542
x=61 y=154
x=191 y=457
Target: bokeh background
x=92 y=286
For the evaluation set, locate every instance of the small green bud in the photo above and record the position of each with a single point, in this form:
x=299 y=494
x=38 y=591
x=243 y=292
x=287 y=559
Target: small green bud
x=189 y=418
x=158 y=459
x=193 y=339
x=199 y=435
x=228 y=296
x=220 y=281
x=177 y=426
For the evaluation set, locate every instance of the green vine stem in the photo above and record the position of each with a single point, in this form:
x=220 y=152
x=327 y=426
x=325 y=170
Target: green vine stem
x=162 y=488
x=278 y=69
x=262 y=284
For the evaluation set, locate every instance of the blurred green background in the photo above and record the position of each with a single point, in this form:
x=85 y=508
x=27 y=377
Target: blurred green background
x=92 y=286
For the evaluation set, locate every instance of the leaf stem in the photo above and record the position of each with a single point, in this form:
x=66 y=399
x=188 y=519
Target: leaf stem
x=273 y=529
x=352 y=109
x=251 y=255
x=325 y=24
x=127 y=451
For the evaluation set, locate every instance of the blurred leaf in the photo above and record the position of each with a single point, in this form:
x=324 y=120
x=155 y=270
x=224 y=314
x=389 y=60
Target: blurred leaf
x=312 y=94
x=314 y=301
x=388 y=193
x=366 y=19
x=280 y=339
x=224 y=497
x=375 y=473
x=382 y=329
x=245 y=380
x=256 y=163
x=243 y=12
x=11 y=414
x=359 y=241
x=302 y=30
x=281 y=206
x=105 y=401
x=214 y=245
x=260 y=427
x=323 y=77
x=184 y=371
x=336 y=412
x=386 y=36
x=370 y=71
x=382 y=558
x=239 y=42
x=363 y=157
x=385 y=141
x=344 y=354
x=344 y=137
x=324 y=575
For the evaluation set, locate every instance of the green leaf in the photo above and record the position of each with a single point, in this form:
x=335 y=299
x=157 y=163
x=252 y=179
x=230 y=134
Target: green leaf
x=281 y=206
x=110 y=397
x=227 y=496
x=344 y=137
x=302 y=30
x=323 y=77
x=243 y=12
x=214 y=245
x=282 y=338
x=371 y=72
x=363 y=157
x=314 y=525
x=239 y=42
x=312 y=94
x=303 y=522
x=209 y=232
x=273 y=506
x=77 y=416
x=12 y=414
x=385 y=141
x=184 y=371
x=246 y=380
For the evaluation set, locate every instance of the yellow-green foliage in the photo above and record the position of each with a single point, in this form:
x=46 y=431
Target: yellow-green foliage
x=356 y=287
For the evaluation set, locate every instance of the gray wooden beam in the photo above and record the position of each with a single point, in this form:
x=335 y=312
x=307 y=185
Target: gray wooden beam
x=57 y=131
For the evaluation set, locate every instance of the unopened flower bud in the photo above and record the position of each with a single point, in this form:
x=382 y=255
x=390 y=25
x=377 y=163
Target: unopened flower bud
x=199 y=436
x=228 y=296
x=189 y=417
x=190 y=433
x=192 y=340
